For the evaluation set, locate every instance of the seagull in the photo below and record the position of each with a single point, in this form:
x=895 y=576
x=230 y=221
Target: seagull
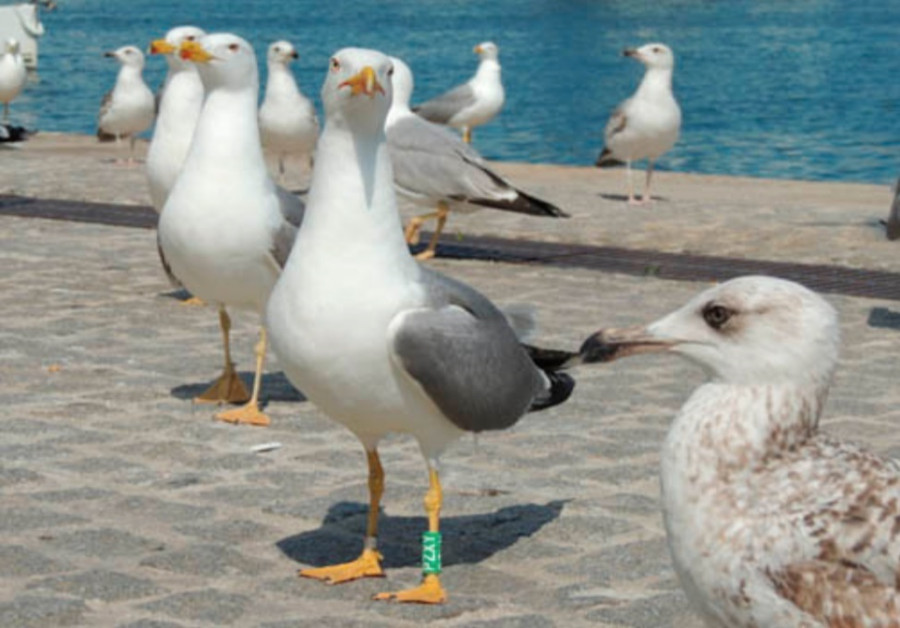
x=646 y=125
x=769 y=521
x=179 y=108
x=287 y=119
x=378 y=342
x=474 y=103
x=226 y=229
x=10 y=133
x=129 y=108
x=13 y=75
x=892 y=224
x=433 y=167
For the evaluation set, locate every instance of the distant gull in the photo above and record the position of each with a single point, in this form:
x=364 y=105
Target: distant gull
x=433 y=167
x=129 y=108
x=179 y=108
x=13 y=75
x=769 y=522
x=287 y=119
x=646 y=125
x=226 y=229
x=378 y=342
x=474 y=103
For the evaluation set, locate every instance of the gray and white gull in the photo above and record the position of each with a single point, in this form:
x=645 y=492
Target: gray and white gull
x=432 y=167
x=226 y=229
x=13 y=75
x=646 y=125
x=129 y=107
x=769 y=522
x=473 y=103
x=376 y=341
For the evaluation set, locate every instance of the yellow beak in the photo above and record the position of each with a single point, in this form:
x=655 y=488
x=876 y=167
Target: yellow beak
x=193 y=51
x=477 y=49
x=364 y=82
x=161 y=47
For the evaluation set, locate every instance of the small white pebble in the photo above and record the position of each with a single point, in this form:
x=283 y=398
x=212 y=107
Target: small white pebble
x=264 y=447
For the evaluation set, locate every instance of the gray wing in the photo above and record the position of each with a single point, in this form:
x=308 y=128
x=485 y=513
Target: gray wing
x=105 y=106
x=292 y=209
x=466 y=358
x=617 y=122
x=441 y=108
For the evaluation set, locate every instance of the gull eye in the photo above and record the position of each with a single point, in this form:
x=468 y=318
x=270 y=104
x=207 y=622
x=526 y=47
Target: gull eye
x=657 y=49
x=716 y=315
x=335 y=64
x=390 y=72
x=190 y=38
x=234 y=47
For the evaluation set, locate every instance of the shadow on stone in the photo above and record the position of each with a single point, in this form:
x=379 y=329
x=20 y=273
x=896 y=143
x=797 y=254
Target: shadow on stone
x=466 y=539
x=883 y=318
x=178 y=295
x=275 y=387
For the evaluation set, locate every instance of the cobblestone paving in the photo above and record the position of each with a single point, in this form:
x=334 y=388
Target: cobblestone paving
x=122 y=504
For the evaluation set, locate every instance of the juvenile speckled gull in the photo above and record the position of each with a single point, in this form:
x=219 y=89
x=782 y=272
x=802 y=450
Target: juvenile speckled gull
x=287 y=119
x=376 y=341
x=13 y=75
x=129 y=108
x=769 y=522
x=432 y=167
x=179 y=108
x=226 y=229
x=646 y=125
x=474 y=103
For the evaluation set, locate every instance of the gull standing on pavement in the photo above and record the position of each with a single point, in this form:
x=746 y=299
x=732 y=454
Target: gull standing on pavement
x=378 y=342
x=646 y=125
x=433 y=167
x=13 y=75
x=287 y=119
x=769 y=522
x=226 y=229
x=129 y=108
x=474 y=103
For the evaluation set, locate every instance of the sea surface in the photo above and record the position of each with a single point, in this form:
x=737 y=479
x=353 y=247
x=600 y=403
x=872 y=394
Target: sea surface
x=801 y=89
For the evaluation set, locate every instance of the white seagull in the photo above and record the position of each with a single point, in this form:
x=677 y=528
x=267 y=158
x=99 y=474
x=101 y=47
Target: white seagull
x=179 y=108
x=13 y=75
x=432 y=167
x=376 y=341
x=287 y=118
x=473 y=103
x=769 y=522
x=226 y=229
x=129 y=108
x=646 y=125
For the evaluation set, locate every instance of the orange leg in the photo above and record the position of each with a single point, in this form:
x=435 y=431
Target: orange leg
x=250 y=413
x=228 y=388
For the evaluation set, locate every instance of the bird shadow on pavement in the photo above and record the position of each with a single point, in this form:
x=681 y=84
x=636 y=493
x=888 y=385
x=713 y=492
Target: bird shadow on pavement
x=883 y=318
x=466 y=539
x=274 y=387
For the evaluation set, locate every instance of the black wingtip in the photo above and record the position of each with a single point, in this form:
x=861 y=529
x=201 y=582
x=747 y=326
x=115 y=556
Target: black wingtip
x=561 y=387
x=13 y=133
x=606 y=160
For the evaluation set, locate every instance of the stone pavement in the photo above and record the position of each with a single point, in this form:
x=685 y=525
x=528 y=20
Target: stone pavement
x=123 y=504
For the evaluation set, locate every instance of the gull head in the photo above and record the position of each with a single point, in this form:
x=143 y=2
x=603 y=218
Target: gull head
x=656 y=55
x=281 y=52
x=224 y=60
x=751 y=330
x=170 y=45
x=358 y=88
x=487 y=50
x=12 y=46
x=403 y=83
x=127 y=55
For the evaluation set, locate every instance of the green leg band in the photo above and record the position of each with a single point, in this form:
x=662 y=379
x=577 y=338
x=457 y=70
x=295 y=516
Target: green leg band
x=431 y=553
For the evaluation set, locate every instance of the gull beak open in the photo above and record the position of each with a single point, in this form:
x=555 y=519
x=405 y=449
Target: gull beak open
x=161 y=47
x=364 y=82
x=193 y=51
x=611 y=344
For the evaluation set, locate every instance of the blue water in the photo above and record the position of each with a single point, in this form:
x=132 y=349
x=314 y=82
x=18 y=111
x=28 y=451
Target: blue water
x=804 y=89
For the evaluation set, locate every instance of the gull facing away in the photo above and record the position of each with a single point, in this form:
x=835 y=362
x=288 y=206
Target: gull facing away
x=473 y=103
x=646 y=125
x=287 y=119
x=226 y=229
x=378 y=342
x=129 y=107
x=433 y=167
x=13 y=75
x=769 y=522
x=179 y=108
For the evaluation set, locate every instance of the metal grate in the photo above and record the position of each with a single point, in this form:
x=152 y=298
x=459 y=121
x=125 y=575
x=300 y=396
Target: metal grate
x=832 y=279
